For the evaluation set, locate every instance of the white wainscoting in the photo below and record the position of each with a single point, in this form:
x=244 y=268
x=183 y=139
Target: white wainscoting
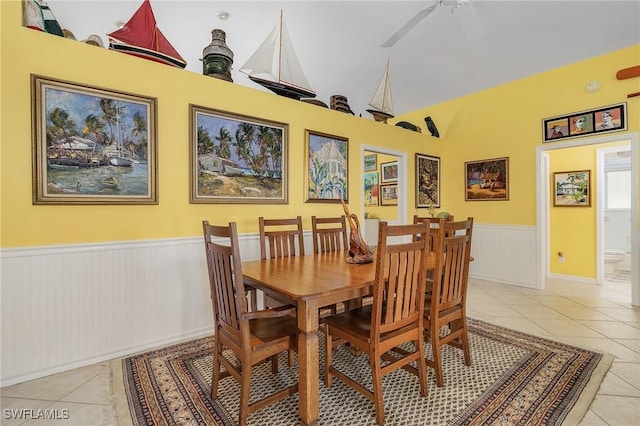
x=504 y=254
x=64 y=307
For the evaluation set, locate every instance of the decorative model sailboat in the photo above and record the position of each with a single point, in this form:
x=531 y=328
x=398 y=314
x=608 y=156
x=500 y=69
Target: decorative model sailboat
x=381 y=101
x=141 y=37
x=275 y=66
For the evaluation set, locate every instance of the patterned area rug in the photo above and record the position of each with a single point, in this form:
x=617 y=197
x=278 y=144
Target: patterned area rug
x=515 y=379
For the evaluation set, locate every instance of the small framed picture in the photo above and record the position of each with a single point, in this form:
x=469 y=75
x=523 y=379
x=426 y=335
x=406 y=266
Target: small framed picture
x=572 y=189
x=389 y=195
x=370 y=163
x=389 y=172
x=371 y=187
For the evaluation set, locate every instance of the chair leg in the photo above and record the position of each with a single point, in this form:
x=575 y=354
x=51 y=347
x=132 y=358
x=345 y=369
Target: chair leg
x=274 y=364
x=215 y=375
x=464 y=338
x=437 y=355
x=245 y=384
x=422 y=367
x=375 y=363
x=328 y=355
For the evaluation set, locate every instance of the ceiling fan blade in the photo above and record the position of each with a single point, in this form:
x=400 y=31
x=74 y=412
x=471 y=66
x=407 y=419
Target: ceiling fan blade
x=409 y=25
x=470 y=22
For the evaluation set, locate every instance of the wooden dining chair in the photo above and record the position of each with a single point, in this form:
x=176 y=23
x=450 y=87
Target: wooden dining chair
x=253 y=337
x=329 y=234
x=395 y=317
x=280 y=238
x=446 y=305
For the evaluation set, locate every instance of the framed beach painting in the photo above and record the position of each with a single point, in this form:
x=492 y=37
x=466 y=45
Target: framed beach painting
x=572 y=189
x=427 y=181
x=389 y=194
x=487 y=180
x=92 y=145
x=371 y=189
x=236 y=158
x=327 y=166
x=389 y=172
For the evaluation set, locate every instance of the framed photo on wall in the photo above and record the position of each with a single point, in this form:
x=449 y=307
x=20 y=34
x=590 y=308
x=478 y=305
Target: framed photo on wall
x=427 y=181
x=92 y=145
x=389 y=195
x=389 y=172
x=237 y=159
x=572 y=189
x=487 y=180
x=371 y=189
x=327 y=166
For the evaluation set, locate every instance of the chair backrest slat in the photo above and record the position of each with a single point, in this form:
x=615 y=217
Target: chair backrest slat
x=400 y=277
x=286 y=240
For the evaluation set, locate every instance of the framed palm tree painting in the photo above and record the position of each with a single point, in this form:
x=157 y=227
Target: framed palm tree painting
x=92 y=145
x=236 y=158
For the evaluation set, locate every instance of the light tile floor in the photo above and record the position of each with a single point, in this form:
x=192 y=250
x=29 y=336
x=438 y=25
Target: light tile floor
x=586 y=315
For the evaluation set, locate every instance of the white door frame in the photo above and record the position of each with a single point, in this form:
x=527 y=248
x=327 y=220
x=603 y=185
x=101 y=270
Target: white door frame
x=402 y=179
x=542 y=206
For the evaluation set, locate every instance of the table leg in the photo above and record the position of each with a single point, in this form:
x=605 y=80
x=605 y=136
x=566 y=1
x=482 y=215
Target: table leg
x=308 y=379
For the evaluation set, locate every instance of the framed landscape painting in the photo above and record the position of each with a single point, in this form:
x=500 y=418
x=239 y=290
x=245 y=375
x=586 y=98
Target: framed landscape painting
x=237 y=158
x=427 y=181
x=327 y=168
x=92 y=145
x=487 y=180
x=572 y=189
x=370 y=163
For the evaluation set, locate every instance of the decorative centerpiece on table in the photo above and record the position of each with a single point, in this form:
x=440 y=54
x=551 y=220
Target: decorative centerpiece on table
x=359 y=251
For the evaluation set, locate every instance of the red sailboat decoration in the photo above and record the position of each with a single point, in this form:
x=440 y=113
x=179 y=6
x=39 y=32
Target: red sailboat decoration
x=141 y=37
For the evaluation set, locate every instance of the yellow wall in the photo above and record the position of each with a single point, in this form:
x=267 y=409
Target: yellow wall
x=497 y=122
x=26 y=51
x=506 y=121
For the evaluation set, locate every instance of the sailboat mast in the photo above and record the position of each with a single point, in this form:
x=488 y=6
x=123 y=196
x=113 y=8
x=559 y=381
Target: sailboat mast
x=280 y=48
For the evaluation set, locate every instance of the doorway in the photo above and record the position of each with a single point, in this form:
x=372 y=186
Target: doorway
x=543 y=207
x=400 y=188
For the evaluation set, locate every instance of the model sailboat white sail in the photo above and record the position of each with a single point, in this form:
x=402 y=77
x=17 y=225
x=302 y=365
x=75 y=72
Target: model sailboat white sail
x=381 y=102
x=275 y=66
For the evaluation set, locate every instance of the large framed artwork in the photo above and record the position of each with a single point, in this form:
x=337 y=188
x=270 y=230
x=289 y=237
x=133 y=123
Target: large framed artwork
x=572 y=189
x=236 y=158
x=327 y=168
x=371 y=189
x=427 y=181
x=92 y=145
x=605 y=119
x=487 y=180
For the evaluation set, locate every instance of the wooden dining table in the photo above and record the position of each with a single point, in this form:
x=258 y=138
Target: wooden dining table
x=310 y=282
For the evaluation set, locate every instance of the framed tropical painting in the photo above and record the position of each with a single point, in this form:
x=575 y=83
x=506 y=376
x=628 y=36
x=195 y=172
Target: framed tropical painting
x=92 y=145
x=371 y=189
x=427 y=181
x=487 y=180
x=572 y=189
x=327 y=166
x=237 y=158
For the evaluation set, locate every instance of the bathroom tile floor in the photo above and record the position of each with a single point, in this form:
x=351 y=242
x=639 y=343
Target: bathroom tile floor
x=591 y=316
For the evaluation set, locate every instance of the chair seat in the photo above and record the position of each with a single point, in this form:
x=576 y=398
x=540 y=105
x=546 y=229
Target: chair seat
x=269 y=329
x=356 y=320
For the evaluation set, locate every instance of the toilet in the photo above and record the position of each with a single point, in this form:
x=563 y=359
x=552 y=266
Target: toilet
x=611 y=258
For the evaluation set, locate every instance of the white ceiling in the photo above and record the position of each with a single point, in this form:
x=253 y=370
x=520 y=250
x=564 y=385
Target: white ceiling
x=339 y=42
